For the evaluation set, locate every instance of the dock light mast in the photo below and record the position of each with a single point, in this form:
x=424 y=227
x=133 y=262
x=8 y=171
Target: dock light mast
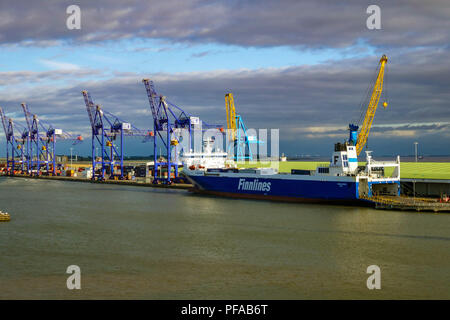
x=106 y=130
x=360 y=140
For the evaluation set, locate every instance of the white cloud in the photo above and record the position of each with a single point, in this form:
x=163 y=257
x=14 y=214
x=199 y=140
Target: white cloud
x=58 y=65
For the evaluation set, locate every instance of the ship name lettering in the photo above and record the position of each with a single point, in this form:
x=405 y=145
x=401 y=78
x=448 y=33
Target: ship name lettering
x=254 y=185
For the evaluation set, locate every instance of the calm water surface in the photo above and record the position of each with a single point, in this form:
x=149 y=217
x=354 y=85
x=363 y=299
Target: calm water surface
x=143 y=243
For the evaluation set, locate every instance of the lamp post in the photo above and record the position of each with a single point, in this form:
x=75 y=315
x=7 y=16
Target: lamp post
x=415 y=148
x=71 y=168
x=414 y=181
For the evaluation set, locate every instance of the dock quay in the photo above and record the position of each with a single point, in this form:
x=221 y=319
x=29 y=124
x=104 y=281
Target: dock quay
x=403 y=202
x=408 y=203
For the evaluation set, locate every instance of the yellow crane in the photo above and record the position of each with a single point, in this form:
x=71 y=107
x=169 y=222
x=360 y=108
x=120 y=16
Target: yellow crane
x=361 y=138
x=231 y=116
x=238 y=138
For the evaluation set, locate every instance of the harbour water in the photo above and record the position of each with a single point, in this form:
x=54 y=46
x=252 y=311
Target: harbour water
x=145 y=243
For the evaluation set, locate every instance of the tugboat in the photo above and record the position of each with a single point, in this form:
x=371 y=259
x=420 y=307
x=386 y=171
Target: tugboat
x=4 y=216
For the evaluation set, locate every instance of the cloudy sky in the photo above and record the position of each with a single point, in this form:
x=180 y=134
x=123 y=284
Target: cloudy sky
x=301 y=66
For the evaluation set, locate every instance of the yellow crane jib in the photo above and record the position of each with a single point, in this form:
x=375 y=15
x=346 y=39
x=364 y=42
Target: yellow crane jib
x=231 y=116
x=361 y=138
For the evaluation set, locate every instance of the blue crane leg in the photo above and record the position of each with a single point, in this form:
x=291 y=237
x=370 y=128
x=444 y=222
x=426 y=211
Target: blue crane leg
x=121 y=154
x=93 y=155
x=103 y=156
x=155 y=154
x=53 y=157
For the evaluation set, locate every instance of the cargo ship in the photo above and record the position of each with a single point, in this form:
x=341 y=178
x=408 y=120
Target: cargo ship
x=341 y=181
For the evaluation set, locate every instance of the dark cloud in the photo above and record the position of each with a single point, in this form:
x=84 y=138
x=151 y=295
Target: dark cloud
x=307 y=24
x=311 y=105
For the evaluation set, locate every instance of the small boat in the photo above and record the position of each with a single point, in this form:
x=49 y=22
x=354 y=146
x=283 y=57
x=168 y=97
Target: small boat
x=4 y=216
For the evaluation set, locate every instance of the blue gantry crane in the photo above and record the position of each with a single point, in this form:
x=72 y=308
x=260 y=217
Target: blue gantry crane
x=168 y=120
x=243 y=141
x=106 y=130
x=16 y=144
x=42 y=143
x=238 y=138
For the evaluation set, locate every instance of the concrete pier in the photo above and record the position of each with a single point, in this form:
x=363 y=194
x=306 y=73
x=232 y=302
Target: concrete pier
x=138 y=182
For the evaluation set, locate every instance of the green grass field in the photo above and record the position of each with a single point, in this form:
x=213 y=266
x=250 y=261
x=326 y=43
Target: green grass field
x=413 y=170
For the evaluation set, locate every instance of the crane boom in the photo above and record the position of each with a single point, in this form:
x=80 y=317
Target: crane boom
x=4 y=122
x=27 y=115
x=90 y=107
x=231 y=115
x=151 y=93
x=372 y=107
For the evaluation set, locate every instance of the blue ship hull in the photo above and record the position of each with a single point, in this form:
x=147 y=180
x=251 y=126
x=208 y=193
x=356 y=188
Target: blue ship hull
x=277 y=189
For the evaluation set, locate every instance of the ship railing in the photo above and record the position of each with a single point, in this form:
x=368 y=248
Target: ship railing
x=374 y=163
